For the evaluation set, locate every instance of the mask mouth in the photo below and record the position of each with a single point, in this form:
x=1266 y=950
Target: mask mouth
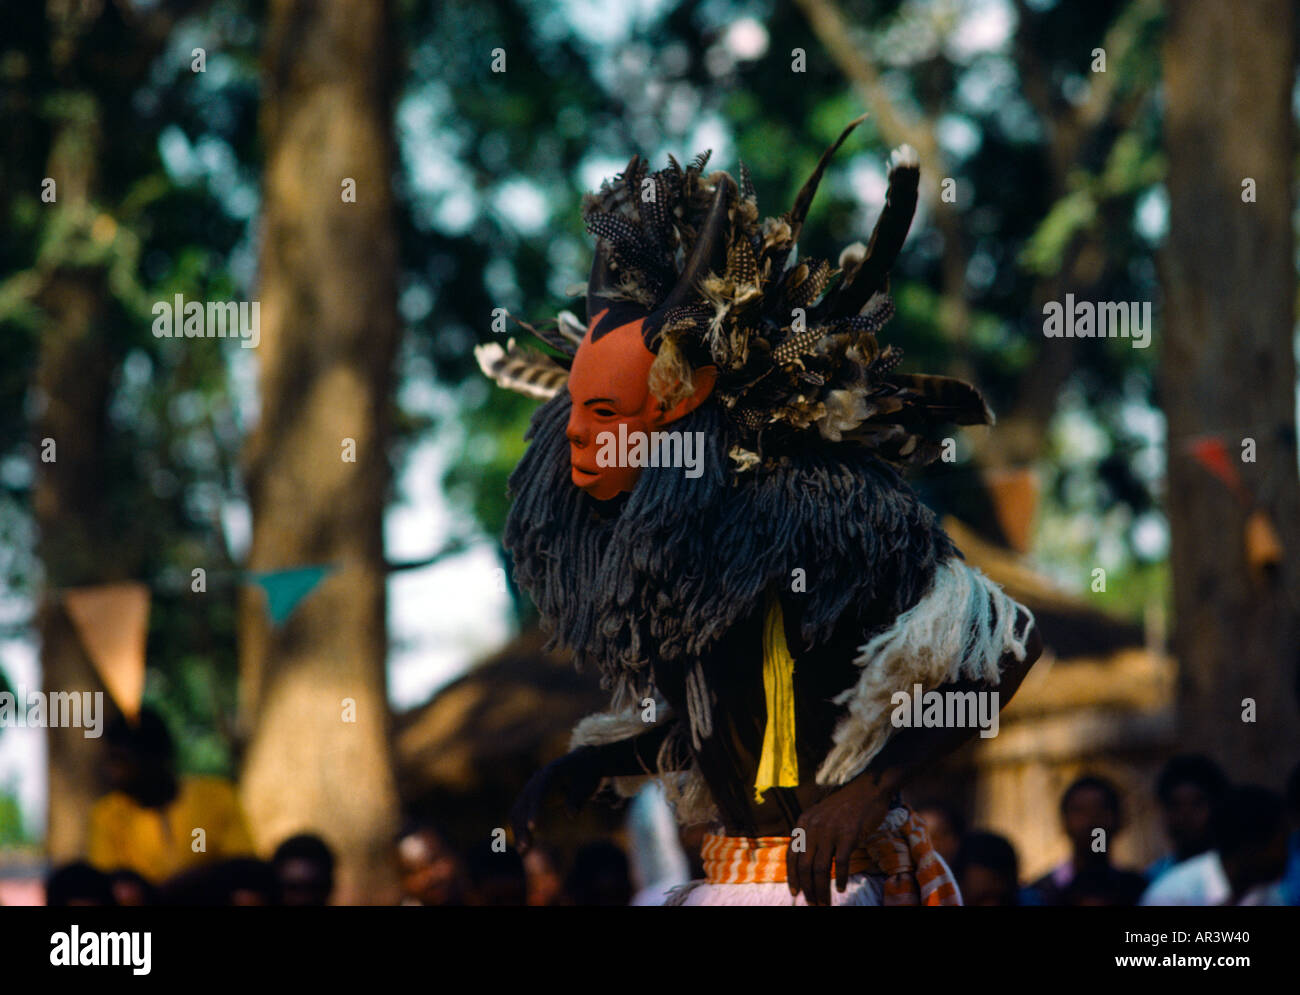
x=584 y=471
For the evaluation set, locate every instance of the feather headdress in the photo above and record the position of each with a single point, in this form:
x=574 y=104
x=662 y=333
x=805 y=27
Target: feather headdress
x=794 y=343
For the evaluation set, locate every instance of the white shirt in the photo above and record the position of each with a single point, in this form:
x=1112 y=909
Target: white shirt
x=1202 y=881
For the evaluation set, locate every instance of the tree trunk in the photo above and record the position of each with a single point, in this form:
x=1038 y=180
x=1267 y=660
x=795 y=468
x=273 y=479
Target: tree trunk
x=74 y=547
x=71 y=394
x=328 y=335
x=1228 y=369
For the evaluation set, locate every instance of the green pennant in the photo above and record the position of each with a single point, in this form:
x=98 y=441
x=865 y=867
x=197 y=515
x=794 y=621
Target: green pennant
x=285 y=588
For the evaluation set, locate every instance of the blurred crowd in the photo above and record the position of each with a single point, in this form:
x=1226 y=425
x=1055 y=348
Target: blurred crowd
x=1227 y=844
x=160 y=838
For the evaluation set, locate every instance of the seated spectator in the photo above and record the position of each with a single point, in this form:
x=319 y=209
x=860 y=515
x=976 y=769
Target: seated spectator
x=545 y=882
x=77 y=884
x=945 y=828
x=1189 y=788
x=987 y=870
x=1249 y=857
x=249 y=882
x=242 y=881
x=1291 y=880
x=130 y=889
x=150 y=821
x=600 y=876
x=304 y=868
x=1092 y=887
x=431 y=872
x=1088 y=805
x=496 y=877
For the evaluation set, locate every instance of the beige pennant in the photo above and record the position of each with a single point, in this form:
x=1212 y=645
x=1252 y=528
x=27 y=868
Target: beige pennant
x=112 y=621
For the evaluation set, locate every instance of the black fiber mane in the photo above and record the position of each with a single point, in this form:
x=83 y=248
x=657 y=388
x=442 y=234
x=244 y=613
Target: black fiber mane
x=658 y=576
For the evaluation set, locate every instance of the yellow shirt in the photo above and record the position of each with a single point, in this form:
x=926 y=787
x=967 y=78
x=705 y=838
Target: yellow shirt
x=161 y=842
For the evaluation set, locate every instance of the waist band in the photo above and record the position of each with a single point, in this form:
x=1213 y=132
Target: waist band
x=900 y=849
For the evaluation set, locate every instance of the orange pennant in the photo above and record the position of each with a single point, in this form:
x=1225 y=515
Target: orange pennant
x=112 y=621
x=1263 y=545
x=1015 y=501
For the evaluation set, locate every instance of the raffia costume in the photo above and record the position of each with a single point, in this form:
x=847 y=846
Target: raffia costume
x=771 y=601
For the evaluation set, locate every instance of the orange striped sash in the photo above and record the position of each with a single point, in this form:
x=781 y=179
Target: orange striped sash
x=900 y=849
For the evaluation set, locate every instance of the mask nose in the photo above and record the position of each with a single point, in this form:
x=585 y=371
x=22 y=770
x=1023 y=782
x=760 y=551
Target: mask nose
x=574 y=431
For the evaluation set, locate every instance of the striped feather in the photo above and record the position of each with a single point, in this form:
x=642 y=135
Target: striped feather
x=945 y=399
x=522 y=370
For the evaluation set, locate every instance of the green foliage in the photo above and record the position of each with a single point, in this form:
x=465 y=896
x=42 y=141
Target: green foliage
x=1070 y=215
x=13 y=833
x=177 y=159
x=145 y=232
x=1131 y=168
x=565 y=102
x=494 y=443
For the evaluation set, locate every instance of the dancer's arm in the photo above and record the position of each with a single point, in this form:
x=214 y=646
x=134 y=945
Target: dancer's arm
x=836 y=826
x=578 y=774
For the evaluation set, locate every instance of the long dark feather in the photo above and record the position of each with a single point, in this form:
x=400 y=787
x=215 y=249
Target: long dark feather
x=886 y=239
x=809 y=190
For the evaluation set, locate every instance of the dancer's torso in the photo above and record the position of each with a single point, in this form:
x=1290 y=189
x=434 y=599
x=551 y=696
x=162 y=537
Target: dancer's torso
x=729 y=758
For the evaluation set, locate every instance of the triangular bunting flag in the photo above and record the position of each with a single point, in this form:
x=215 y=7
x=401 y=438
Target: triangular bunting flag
x=1015 y=500
x=1212 y=453
x=1263 y=544
x=112 y=621
x=285 y=588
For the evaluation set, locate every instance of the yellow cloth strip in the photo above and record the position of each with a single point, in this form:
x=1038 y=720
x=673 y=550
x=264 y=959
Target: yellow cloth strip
x=778 y=767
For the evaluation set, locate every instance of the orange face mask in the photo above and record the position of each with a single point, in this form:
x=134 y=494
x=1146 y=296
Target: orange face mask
x=609 y=388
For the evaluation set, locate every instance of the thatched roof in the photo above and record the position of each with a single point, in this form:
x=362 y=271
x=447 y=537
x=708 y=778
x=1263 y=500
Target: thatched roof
x=463 y=757
x=1071 y=626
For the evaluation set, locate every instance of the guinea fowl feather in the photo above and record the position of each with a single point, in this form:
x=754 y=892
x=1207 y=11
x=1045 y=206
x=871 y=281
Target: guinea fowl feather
x=794 y=343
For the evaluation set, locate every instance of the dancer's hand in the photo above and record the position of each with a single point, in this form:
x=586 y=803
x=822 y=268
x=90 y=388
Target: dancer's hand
x=833 y=829
x=575 y=774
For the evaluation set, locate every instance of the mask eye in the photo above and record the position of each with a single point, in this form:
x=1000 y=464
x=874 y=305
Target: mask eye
x=606 y=412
